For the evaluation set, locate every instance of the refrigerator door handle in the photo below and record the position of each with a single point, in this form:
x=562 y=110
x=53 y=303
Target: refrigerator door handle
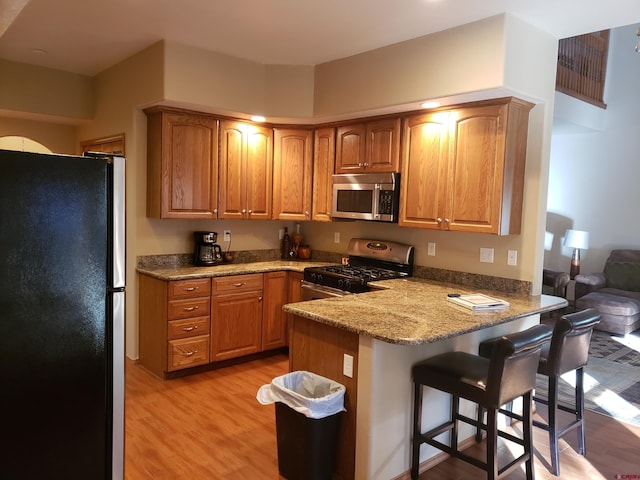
x=119 y=239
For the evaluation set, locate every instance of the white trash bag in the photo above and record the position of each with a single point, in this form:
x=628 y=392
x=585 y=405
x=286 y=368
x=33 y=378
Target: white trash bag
x=308 y=393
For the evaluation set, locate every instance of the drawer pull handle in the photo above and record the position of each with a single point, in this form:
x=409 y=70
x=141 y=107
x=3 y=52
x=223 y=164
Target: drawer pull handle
x=190 y=309
x=239 y=284
x=190 y=289
x=188 y=354
x=189 y=329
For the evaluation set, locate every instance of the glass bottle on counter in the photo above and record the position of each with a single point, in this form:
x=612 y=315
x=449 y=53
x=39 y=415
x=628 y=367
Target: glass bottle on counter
x=286 y=244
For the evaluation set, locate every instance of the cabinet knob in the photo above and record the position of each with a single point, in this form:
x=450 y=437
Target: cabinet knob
x=188 y=354
x=306 y=212
x=366 y=164
x=190 y=309
x=215 y=210
x=244 y=211
x=190 y=289
x=259 y=299
x=239 y=284
x=189 y=329
x=446 y=220
x=360 y=164
x=250 y=212
x=439 y=220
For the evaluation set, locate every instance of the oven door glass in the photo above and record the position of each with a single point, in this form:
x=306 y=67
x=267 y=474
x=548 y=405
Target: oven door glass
x=353 y=201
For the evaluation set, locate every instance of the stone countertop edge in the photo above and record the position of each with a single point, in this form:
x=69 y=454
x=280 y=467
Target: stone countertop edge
x=416 y=311
x=226 y=269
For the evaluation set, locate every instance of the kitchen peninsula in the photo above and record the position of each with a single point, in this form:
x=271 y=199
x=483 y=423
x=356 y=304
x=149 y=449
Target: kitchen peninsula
x=383 y=333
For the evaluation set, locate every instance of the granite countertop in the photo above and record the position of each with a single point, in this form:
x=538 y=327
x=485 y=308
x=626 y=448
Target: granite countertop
x=226 y=269
x=415 y=311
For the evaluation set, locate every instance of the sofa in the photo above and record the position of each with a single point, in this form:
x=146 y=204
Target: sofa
x=614 y=292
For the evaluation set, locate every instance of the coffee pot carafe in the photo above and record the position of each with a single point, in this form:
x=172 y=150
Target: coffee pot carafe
x=207 y=251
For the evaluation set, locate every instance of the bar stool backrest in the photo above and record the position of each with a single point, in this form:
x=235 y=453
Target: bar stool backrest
x=569 y=347
x=513 y=364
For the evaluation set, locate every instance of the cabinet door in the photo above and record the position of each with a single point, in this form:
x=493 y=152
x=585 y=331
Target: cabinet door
x=351 y=148
x=182 y=165
x=476 y=169
x=383 y=146
x=292 y=168
x=324 y=153
x=259 y=168
x=233 y=187
x=274 y=324
x=236 y=325
x=424 y=171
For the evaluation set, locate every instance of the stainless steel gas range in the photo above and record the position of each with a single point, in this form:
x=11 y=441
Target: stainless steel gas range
x=369 y=260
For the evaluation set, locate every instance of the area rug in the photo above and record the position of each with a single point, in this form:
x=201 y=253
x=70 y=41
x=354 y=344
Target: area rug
x=612 y=378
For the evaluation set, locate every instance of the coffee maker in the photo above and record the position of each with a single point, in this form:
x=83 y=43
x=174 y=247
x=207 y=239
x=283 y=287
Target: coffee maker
x=207 y=251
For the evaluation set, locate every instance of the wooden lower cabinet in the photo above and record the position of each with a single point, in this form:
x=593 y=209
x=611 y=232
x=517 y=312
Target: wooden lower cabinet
x=189 y=323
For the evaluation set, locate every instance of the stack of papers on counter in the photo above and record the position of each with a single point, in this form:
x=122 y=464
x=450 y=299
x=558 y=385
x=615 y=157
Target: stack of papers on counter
x=479 y=301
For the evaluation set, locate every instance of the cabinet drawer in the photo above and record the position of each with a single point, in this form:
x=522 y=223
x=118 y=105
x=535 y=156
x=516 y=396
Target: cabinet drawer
x=198 y=287
x=189 y=307
x=188 y=352
x=189 y=327
x=237 y=283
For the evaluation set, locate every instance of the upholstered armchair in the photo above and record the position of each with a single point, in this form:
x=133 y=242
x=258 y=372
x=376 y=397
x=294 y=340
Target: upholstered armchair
x=614 y=292
x=555 y=283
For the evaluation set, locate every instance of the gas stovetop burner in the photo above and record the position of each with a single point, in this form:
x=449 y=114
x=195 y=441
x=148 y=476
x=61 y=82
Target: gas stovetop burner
x=369 y=260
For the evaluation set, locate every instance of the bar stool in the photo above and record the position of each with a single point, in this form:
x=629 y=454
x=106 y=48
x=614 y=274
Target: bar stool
x=510 y=373
x=567 y=351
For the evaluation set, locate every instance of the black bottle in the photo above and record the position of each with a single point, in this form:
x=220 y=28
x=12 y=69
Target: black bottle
x=286 y=244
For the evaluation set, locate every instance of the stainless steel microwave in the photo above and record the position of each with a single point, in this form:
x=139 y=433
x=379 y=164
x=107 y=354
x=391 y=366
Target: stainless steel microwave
x=366 y=196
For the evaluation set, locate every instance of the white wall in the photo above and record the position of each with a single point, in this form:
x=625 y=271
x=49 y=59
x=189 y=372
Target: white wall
x=595 y=167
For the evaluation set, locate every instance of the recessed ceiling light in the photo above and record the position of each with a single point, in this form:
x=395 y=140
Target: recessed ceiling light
x=430 y=104
x=258 y=118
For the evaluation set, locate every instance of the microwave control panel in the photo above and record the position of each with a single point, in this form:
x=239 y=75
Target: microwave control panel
x=385 y=202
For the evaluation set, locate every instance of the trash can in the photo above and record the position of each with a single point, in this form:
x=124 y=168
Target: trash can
x=308 y=408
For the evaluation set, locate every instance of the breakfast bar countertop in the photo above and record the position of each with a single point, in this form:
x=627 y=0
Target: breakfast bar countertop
x=414 y=311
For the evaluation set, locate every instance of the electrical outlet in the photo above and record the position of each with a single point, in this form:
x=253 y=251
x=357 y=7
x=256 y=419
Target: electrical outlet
x=431 y=249
x=486 y=255
x=281 y=234
x=347 y=366
x=227 y=235
x=512 y=257
x=336 y=237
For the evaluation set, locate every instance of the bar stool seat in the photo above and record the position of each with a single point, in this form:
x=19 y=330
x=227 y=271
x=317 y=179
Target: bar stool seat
x=510 y=373
x=567 y=351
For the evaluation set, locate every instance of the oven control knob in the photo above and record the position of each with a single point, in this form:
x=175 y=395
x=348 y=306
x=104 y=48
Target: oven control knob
x=347 y=284
x=341 y=283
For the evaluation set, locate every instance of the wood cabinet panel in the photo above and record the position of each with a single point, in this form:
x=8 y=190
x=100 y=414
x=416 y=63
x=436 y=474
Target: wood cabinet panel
x=188 y=327
x=323 y=167
x=246 y=171
x=188 y=352
x=182 y=164
x=198 y=287
x=236 y=325
x=292 y=170
x=463 y=169
x=237 y=283
x=369 y=147
x=188 y=307
x=274 y=321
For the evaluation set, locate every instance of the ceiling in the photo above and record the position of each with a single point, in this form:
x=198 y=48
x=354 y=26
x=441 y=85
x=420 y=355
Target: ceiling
x=88 y=36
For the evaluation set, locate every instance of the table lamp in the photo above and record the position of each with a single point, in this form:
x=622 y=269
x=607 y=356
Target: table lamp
x=578 y=240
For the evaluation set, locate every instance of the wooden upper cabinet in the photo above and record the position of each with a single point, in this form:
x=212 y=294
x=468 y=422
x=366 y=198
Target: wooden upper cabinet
x=182 y=164
x=246 y=171
x=292 y=169
x=463 y=169
x=424 y=174
x=323 y=166
x=368 y=147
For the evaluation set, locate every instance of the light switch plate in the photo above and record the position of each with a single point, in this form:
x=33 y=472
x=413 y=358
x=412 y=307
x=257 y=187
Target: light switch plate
x=512 y=257
x=431 y=249
x=336 y=237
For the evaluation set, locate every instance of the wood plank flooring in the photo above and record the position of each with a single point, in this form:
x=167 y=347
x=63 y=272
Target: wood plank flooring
x=210 y=426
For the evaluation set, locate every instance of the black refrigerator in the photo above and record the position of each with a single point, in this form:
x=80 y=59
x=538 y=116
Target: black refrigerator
x=62 y=280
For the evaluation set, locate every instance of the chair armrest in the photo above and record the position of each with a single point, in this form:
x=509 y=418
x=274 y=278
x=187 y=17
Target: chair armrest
x=589 y=283
x=557 y=280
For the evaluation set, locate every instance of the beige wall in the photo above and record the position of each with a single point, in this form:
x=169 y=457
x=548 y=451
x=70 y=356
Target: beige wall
x=432 y=66
x=55 y=137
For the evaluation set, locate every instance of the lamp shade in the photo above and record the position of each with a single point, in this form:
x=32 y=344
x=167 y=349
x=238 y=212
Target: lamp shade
x=576 y=239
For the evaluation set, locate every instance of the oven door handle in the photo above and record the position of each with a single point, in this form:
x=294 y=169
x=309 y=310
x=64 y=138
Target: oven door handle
x=312 y=291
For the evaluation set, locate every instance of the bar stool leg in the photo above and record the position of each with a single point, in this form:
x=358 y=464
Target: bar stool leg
x=480 y=420
x=527 y=433
x=455 y=406
x=417 y=429
x=582 y=449
x=492 y=443
x=553 y=424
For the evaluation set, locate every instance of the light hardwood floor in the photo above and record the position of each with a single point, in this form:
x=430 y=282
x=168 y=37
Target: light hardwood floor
x=210 y=426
